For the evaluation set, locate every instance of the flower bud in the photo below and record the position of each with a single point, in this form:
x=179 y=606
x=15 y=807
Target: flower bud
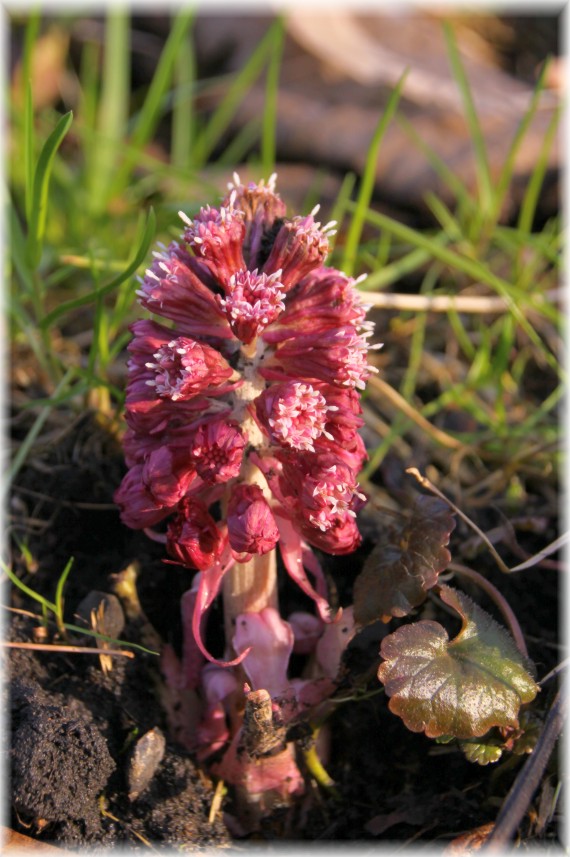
x=251 y=525
x=192 y=538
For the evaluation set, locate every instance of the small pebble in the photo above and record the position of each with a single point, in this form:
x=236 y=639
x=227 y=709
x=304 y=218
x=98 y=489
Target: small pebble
x=108 y=610
x=145 y=758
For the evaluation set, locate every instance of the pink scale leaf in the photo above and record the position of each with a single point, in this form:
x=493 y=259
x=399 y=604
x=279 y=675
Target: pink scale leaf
x=208 y=588
x=295 y=556
x=271 y=642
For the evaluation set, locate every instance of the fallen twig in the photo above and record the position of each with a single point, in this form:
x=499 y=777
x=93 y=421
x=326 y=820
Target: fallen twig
x=474 y=304
x=54 y=647
x=519 y=797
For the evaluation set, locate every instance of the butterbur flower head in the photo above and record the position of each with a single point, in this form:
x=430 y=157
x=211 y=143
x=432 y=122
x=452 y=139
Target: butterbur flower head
x=217 y=449
x=300 y=246
x=294 y=414
x=322 y=496
x=216 y=236
x=264 y=211
x=252 y=302
x=167 y=474
x=178 y=367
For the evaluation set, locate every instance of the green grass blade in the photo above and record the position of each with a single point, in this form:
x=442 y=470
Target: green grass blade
x=241 y=143
x=49 y=605
x=138 y=258
x=367 y=184
x=506 y=174
x=484 y=179
x=123 y=643
x=41 y=188
x=438 y=165
x=33 y=433
x=29 y=146
x=474 y=269
x=444 y=216
x=59 y=590
x=237 y=88
x=87 y=108
x=339 y=209
x=407 y=264
x=269 y=121
x=113 y=107
x=532 y=193
x=19 y=253
x=515 y=298
x=30 y=37
x=183 y=120
x=155 y=101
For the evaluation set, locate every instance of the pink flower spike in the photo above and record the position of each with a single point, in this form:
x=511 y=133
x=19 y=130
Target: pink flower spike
x=193 y=538
x=253 y=301
x=251 y=525
x=325 y=299
x=181 y=369
x=269 y=641
x=294 y=414
x=217 y=449
x=321 y=495
x=170 y=369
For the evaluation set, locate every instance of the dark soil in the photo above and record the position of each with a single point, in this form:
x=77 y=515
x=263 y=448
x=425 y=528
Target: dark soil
x=74 y=726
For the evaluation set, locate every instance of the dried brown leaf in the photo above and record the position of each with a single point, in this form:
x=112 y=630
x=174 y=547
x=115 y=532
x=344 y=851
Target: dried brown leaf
x=405 y=563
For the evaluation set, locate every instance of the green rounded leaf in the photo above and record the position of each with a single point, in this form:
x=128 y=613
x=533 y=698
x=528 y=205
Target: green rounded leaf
x=405 y=563
x=461 y=687
x=480 y=752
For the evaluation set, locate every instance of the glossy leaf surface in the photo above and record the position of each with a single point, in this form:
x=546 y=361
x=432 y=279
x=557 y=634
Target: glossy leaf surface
x=461 y=687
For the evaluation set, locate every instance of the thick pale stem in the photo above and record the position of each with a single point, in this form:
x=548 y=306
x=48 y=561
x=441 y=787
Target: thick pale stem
x=249 y=587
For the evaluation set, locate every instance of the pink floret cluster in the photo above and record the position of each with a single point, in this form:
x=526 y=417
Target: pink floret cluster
x=243 y=405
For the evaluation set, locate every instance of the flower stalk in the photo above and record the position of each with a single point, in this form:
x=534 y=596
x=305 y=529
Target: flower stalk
x=242 y=413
